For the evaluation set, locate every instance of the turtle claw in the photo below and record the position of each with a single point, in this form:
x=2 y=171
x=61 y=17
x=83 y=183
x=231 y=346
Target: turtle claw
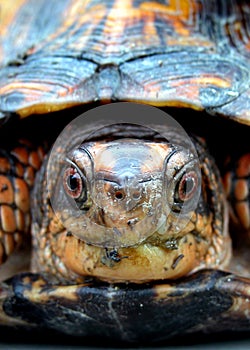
x=6 y=293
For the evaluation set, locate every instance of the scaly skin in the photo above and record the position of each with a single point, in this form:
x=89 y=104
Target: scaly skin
x=237 y=184
x=18 y=167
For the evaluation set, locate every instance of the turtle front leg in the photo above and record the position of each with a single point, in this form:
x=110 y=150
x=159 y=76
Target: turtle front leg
x=237 y=185
x=18 y=165
x=6 y=292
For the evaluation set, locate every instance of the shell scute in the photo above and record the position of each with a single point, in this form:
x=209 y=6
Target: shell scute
x=197 y=53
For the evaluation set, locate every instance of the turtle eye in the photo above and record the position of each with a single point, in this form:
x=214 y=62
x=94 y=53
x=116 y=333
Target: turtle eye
x=186 y=186
x=74 y=184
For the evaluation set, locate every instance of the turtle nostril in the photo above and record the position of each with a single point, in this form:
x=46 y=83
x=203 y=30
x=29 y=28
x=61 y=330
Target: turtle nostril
x=136 y=195
x=119 y=195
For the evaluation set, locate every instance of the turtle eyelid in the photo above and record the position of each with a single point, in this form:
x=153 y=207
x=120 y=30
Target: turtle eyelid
x=76 y=167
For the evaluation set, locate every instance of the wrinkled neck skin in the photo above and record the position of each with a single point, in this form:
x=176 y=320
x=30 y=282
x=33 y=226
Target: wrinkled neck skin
x=136 y=221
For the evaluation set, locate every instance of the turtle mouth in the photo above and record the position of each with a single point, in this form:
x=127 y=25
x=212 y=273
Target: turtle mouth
x=165 y=254
x=101 y=230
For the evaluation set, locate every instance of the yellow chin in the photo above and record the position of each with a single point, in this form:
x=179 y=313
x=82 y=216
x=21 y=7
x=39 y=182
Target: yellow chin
x=143 y=263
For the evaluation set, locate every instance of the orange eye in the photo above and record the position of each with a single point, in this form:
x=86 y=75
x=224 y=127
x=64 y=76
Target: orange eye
x=187 y=186
x=74 y=184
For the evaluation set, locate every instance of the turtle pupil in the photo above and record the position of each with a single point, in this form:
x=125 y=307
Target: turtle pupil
x=119 y=195
x=73 y=182
x=187 y=186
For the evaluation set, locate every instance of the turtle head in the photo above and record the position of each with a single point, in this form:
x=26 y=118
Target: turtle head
x=120 y=193
x=131 y=208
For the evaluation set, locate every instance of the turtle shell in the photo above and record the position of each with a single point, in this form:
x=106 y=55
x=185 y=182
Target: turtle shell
x=192 y=54
x=185 y=54
x=124 y=314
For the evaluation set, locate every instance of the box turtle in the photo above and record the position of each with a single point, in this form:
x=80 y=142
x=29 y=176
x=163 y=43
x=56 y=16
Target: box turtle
x=136 y=232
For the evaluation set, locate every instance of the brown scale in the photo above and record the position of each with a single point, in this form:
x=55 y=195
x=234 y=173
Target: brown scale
x=237 y=185
x=17 y=174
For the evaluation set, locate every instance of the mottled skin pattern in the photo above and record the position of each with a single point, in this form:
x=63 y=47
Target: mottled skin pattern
x=237 y=185
x=203 y=243
x=18 y=167
x=56 y=55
